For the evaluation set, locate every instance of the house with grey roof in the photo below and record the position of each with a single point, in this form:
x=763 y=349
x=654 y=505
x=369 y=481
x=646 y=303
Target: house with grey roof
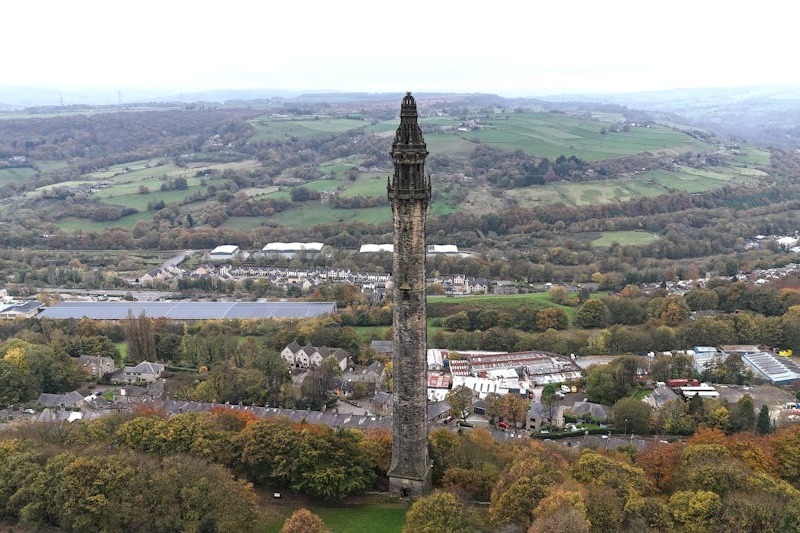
x=373 y=376
x=382 y=403
x=67 y=400
x=307 y=356
x=185 y=311
x=143 y=372
x=382 y=347
x=97 y=366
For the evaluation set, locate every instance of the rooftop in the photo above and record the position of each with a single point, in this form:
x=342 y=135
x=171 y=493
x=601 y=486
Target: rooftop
x=187 y=310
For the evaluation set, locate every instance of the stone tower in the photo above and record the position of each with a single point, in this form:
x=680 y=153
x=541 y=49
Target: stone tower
x=409 y=193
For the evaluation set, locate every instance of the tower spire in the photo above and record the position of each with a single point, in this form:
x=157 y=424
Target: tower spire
x=409 y=193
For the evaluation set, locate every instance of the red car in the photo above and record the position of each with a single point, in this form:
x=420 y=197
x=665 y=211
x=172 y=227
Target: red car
x=502 y=425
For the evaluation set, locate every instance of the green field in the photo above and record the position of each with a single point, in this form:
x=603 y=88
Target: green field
x=244 y=223
x=8 y=175
x=449 y=144
x=625 y=238
x=322 y=185
x=344 y=518
x=140 y=201
x=367 y=184
x=311 y=214
x=753 y=156
x=586 y=193
x=649 y=183
x=127 y=222
x=384 y=517
x=339 y=166
x=276 y=129
x=50 y=166
x=551 y=135
x=688 y=179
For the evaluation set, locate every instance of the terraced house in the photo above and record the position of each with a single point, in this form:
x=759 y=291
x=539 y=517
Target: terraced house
x=309 y=356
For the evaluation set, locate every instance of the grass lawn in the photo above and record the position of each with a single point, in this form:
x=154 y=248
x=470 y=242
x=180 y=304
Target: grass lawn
x=313 y=213
x=243 y=223
x=378 y=517
x=9 y=175
x=50 y=165
x=367 y=184
x=641 y=394
x=553 y=134
x=75 y=223
x=625 y=238
x=381 y=517
x=123 y=350
x=273 y=129
x=371 y=332
x=140 y=201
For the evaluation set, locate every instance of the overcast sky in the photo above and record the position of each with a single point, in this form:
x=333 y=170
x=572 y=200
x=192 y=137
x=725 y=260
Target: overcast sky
x=515 y=48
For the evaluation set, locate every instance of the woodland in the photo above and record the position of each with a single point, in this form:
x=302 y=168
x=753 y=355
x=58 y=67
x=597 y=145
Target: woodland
x=205 y=472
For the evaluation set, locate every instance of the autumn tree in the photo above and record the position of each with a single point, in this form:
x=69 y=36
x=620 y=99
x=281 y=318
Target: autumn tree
x=658 y=460
x=551 y=318
x=665 y=367
x=304 y=521
x=439 y=512
x=592 y=314
x=524 y=483
x=513 y=408
x=460 y=401
x=600 y=386
x=695 y=510
x=549 y=400
x=328 y=464
x=492 y=401
x=700 y=298
x=563 y=509
x=631 y=414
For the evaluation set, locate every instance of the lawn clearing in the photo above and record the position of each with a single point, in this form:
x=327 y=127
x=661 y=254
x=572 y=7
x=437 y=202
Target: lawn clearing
x=49 y=165
x=625 y=238
x=553 y=134
x=276 y=129
x=367 y=184
x=312 y=213
x=383 y=517
x=380 y=517
x=76 y=224
x=11 y=175
x=140 y=201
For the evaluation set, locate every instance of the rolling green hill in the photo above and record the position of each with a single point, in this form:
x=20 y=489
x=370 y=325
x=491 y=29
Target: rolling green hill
x=342 y=159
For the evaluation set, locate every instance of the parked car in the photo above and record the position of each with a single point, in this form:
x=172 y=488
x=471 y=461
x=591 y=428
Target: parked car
x=448 y=419
x=502 y=425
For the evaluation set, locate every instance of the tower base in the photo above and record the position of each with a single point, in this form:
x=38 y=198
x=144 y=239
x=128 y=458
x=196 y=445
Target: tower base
x=410 y=487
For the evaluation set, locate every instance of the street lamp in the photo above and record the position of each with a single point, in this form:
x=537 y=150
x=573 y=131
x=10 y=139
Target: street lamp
x=626 y=426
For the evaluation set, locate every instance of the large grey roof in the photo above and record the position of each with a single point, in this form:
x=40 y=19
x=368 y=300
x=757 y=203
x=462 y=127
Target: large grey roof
x=187 y=310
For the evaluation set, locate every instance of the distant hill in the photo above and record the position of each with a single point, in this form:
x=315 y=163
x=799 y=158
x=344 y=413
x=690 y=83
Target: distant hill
x=15 y=97
x=768 y=115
